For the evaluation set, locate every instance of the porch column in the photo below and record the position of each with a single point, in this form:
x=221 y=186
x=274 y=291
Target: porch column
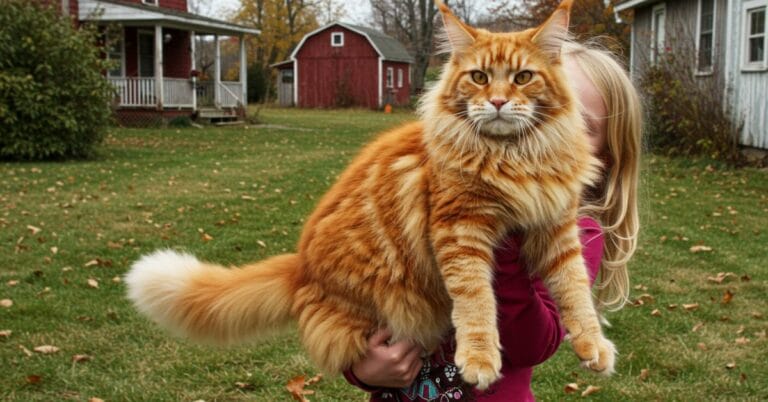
x=216 y=70
x=244 y=71
x=193 y=66
x=159 y=66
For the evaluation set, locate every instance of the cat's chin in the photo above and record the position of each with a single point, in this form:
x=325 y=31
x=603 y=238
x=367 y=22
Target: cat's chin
x=501 y=128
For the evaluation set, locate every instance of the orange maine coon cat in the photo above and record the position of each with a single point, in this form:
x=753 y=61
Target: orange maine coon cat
x=405 y=237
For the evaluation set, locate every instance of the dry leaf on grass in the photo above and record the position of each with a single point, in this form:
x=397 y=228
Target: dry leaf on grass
x=742 y=340
x=26 y=351
x=699 y=248
x=656 y=313
x=33 y=379
x=571 y=388
x=46 y=349
x=296 y=387
x=691 y=306
x=91 y=263
x=261 y=243
x=727 y=296
x=7 y=303
x=697 y=327
x=80 y=358
x=95 y=399
x=93 y=283
x=644 y=373
x=720 y=277
x=6 y=333
x=116 y=279
x=591 y=389
x=206 y=237
x=731 y=365
x=12 y=282
x=702 y=346
x=34 y=229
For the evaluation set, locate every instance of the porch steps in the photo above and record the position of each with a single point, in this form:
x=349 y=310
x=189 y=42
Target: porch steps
x=213 y=115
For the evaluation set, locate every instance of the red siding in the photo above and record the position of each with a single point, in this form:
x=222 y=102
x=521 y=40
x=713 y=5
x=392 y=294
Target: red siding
x=173 y=4
x=335 y=76
x=176 y=54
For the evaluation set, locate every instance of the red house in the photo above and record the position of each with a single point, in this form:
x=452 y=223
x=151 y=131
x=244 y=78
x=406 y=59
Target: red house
x=345 y=65
x=155 y=72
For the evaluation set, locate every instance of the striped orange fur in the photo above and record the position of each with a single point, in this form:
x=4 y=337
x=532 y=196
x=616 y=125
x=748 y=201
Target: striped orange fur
x=405 y=237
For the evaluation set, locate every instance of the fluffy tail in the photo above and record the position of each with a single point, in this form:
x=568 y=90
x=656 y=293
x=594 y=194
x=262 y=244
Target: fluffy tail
x=207 y=302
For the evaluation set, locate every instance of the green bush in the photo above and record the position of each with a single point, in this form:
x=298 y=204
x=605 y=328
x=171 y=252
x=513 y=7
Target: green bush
x=54 y=101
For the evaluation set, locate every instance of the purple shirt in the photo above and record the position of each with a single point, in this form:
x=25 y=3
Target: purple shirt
x=529 y=328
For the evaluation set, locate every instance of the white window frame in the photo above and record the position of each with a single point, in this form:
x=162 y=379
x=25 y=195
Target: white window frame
x=335 y=35
x=659 y=8
x=390 y=77
x=710 y=69
x=122 y=57
x=155 y=3
x=399 y=77
x=748 y=8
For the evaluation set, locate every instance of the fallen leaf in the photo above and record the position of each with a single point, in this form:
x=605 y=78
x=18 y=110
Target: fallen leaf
x=740 y=330
x=757 y=315
x=116 y=279
x=720 y=277
x=656 y=313
x=46 y=349
x=745 y=278
x=296 y=387
x=700 y=248
x=742 y=340
x=591 y=389
x=691 y=307
x=7 y=303
x=571 y=388
x=760 y=334
x=26 y=351
x=644 y=373
x=95 y=399
x=742 y=377
x=35 y=230
x=261 y=243
x=244 y=386
x=730 y=366
x=697 y=327
x=80 y=358
x=727 y=297
x=672 y=306
x=206 y=237
x=701 y=346
x=91 y=263
x=12 y=282
x=6 y=333
x=33 y=379
x=54 y=250
x=93 y=283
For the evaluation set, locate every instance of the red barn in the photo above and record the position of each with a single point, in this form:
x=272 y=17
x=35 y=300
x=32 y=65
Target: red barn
x=155 y=76
x=345 y=65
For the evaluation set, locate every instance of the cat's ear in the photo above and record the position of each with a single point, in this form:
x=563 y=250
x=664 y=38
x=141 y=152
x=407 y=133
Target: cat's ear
x=456 y=36
x=553 y=33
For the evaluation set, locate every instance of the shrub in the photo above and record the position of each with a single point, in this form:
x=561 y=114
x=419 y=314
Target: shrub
x=54 y=101
x=180 y=122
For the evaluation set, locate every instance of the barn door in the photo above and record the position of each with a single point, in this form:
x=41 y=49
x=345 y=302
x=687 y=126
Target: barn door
x=285 y=88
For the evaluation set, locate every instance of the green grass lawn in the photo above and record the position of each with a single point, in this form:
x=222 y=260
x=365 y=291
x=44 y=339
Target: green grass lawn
x=235 y=195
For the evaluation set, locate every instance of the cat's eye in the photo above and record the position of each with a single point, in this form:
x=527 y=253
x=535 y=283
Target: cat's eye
x=479 y=77
x=523 y=77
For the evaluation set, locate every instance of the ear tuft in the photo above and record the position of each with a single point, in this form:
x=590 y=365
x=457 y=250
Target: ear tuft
x=455 y=36
x=551 y=35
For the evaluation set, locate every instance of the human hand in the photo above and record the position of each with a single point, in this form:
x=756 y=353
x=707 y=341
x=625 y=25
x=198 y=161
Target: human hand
x=389 y=366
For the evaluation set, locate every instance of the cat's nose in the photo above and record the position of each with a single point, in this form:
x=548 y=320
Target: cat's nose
x=498 y=102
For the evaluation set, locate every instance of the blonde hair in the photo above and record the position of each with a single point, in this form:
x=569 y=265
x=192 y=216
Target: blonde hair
x=615 y=202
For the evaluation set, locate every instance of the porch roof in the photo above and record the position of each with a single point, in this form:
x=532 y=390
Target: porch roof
x=630 y=4
x=141 y=14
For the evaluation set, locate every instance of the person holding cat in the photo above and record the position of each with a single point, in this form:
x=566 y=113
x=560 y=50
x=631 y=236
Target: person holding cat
x=529 y=322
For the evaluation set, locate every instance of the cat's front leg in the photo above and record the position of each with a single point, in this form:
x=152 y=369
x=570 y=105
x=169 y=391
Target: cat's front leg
x=466 y=264
x=555 y=254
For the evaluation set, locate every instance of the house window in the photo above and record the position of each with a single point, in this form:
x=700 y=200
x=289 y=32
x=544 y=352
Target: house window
x=390 y=77
x=399 y=77
x=705 y=37
x=150 y=2
x=755 y=36
x=337 y=39
x=116 y=56
x=658 y=21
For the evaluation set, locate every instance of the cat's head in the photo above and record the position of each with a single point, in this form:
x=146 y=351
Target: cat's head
x=503 y=85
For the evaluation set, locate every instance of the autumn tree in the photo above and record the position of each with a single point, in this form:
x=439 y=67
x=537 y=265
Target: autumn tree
x=282 y=23
x=589 y=18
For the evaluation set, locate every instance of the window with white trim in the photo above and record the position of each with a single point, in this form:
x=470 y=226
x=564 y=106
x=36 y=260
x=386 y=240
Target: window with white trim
x=399 y=77
x=337 y=39
x=116 y=56
x=390 y=77
x=658 y=31
x=150 y=2
x=705 y=38
x=755 y=30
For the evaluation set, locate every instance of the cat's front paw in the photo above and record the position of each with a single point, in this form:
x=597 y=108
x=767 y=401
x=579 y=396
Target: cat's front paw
x=596 y=352
x=480 y=368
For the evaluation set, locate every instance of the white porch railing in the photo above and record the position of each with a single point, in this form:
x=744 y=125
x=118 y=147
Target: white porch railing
x=134 y=91
x=177 y=92
x=230 y=93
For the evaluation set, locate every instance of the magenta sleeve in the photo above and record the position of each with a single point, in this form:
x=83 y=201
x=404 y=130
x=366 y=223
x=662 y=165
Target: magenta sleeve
x=529 y=323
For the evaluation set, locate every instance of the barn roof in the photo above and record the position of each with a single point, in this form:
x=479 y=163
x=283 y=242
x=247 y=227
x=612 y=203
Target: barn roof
x=386 y=46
